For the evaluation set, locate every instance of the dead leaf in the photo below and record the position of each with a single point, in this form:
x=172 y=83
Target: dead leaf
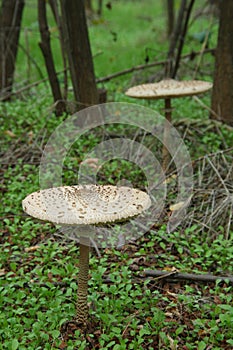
x=170 y=179
x=173 y=345
x=30 y=136
x=139 y=261
x=2 y=272
x=91 y=162
x=9 y=133
x=170 y=269
x=31 y=249
x=176 y=206
x=63 y=345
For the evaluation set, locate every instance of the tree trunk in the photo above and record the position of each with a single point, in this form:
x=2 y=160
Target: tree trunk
x=222 y=96
x=170 y=17
x=57 y=16
x=48 y=56
x=100 y=7
x=178 y=39
x=182 y=37
x=79 y=52
x=174 y=40
x=10 y=22
x=88 y=6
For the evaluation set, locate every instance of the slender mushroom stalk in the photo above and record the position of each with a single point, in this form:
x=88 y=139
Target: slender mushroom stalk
x=81 y=306
x=167 y=89
x=166 y=135
x=85 y=205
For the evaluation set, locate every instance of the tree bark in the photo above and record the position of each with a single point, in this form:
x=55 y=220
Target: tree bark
x=222 y=96
x=48 y=56
x=57 y=16
x=100 y=7
x=182 y=38
x=178 y=38
x=174 y=40
x=170 y=17
x=79 y=52
x=10 y=22
x=88 y=6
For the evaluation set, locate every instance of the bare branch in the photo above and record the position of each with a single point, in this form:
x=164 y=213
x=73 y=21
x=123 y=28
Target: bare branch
x=187 y=276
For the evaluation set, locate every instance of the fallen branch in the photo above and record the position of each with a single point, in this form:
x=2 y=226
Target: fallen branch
x=158 y=274
x=174 y=275
x=191 y=55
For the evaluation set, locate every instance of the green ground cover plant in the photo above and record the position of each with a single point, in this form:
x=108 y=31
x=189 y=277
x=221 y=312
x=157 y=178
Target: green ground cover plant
x=39 y=264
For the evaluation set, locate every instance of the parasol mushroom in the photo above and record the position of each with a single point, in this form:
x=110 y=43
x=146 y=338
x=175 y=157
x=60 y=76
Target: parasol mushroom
x=85 y=205
x=167 y=89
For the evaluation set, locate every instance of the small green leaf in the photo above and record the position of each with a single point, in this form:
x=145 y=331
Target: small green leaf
x=111 y=343
x=14 y=344
x=55 y=334
x=201 y=345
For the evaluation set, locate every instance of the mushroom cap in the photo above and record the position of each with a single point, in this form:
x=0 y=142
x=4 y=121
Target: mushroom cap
x=169 y=88
x=86 y=204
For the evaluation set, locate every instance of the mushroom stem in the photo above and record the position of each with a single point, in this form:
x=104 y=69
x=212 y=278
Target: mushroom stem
x=81 y=306
x=166 y=135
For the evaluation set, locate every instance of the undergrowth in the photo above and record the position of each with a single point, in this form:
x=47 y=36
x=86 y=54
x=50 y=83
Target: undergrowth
x=39 y=264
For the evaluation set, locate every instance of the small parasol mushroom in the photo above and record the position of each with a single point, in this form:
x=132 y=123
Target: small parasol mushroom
x=85 y=205
x=167 y=89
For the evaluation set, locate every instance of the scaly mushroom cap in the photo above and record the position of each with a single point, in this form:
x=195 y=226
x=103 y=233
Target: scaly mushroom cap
x=169 y=88
x=87 y=204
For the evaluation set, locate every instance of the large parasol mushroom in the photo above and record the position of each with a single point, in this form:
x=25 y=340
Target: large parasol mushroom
x=167 y=89
x=82 y=206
